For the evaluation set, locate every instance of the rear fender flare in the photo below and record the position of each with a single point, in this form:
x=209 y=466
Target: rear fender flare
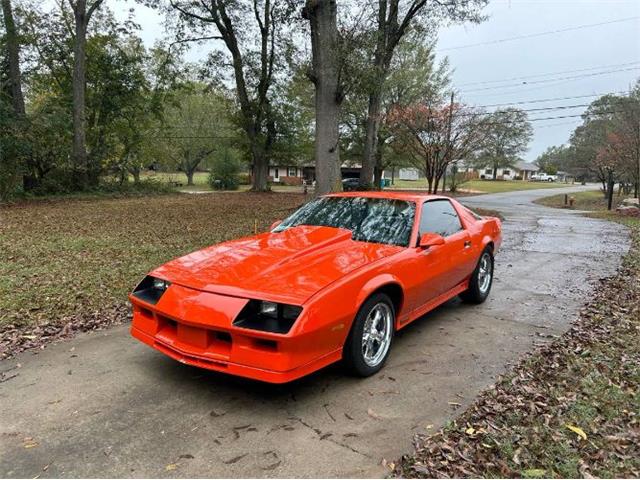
x=486 y=240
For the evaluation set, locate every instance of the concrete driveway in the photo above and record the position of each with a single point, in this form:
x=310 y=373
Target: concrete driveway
x=105 y=405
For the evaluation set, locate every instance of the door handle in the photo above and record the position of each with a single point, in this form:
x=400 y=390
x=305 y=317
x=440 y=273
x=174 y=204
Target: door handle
x=467 y=244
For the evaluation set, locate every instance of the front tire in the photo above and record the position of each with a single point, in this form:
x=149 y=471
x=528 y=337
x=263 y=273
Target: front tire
x=369 y=341
x=481 y=279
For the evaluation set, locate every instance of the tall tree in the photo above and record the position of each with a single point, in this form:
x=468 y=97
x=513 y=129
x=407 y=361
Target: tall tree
x=507 y=136
x=554 y=159
x=197 y=126
x=394 y=18
x=435 y=136
x=13 y=52
x=591 y=140
x=325 y=75
x=83 y=10
x=241 y=26
x=414 y=78
x=625 y=140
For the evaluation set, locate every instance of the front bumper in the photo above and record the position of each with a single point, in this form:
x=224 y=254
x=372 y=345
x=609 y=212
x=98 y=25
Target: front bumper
x=195 y=328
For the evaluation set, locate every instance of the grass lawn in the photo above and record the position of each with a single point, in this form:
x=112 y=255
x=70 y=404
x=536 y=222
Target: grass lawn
x=498 y=186
x=200 y=179
x=591 y=200
x=569 y=410
x=72 y=262
x=482 y=186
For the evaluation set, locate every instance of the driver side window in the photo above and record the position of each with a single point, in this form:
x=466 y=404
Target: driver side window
x=439 y=216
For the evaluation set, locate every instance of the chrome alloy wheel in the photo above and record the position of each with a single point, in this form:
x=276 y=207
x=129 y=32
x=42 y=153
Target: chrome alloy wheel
x=485 y=271
x=376 y=335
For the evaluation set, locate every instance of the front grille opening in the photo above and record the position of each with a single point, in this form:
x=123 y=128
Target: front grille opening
x=223 y=337
x=268 y=345
x=220 y=342
x=166 y=326
x=145 y=312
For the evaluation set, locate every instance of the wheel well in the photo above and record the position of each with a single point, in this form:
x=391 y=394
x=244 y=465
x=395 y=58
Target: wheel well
x=395 y=293
x=491 y=246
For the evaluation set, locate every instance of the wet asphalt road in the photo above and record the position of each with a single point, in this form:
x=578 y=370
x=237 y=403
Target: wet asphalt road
x=105 y=405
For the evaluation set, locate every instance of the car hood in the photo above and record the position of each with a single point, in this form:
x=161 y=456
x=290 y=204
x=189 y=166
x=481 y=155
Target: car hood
x=288 y=266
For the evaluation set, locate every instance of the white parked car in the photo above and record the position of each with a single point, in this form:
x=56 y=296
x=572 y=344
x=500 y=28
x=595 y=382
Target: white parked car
x=543 y=177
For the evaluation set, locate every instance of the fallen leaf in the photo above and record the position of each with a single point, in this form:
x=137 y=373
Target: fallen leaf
x=577 y=430
x=534 y=473
x=373 y=414
x=171 y=467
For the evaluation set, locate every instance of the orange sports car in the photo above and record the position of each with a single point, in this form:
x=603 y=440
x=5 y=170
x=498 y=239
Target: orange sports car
x=334 y=281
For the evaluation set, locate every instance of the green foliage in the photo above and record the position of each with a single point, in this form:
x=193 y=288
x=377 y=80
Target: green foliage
x=554 y=159
x=11 y=148
x=195 y=126
x=128 y=91
x=225 y=171
x=507 y=135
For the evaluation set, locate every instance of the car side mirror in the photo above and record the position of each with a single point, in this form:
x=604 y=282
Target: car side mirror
x=430 y=240
x=275 y=224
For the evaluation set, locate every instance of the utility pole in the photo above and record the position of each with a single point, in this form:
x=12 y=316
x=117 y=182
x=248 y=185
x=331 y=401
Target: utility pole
x=449 y=149
x=610 y=185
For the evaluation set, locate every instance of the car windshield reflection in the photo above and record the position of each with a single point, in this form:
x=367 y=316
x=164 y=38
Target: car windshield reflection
x=376 y=220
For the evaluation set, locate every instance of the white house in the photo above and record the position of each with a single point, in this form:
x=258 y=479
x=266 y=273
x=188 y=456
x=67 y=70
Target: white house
x=520 y=171
x=408 y=174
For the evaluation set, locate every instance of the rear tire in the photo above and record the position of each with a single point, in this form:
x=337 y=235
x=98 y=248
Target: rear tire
x=481 y=279
x=369 y=342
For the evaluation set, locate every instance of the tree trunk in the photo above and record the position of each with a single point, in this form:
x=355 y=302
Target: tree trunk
x=13 y=52
x=637 y=182
x=189 y=174
x=429 y=183
x=377 y=177
x=610 y=186
x=135 y=172
x=260 y=170
x=436 y=183
x=371 y=139
x=322 y=16
x=79 y=150
x=495 y=172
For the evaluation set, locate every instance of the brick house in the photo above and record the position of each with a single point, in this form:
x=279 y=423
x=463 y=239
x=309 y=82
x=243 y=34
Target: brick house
x=294 y=175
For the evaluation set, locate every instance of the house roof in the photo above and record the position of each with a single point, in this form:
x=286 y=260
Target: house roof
x=527 y=166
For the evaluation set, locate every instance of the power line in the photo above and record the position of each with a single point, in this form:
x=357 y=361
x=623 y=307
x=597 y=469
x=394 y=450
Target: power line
x=539 y=34
x=572 y=122
x=549 y=73
x=560 y=79
x=542 y=109
x=507 y=122
x=543 y=100
x=557 y=107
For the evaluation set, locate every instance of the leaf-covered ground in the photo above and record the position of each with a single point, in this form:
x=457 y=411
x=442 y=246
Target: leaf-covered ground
x=68 y=265
x=589 y=200
x=570 y=409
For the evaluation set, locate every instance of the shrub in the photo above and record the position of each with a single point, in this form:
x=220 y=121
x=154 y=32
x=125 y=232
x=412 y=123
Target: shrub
x=244 y=178
x=225 y=171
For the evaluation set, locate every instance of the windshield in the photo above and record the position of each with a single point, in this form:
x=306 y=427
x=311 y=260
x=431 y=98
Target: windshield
x=377 y=220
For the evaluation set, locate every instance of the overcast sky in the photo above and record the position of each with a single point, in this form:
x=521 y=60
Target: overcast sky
x=589 y=59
